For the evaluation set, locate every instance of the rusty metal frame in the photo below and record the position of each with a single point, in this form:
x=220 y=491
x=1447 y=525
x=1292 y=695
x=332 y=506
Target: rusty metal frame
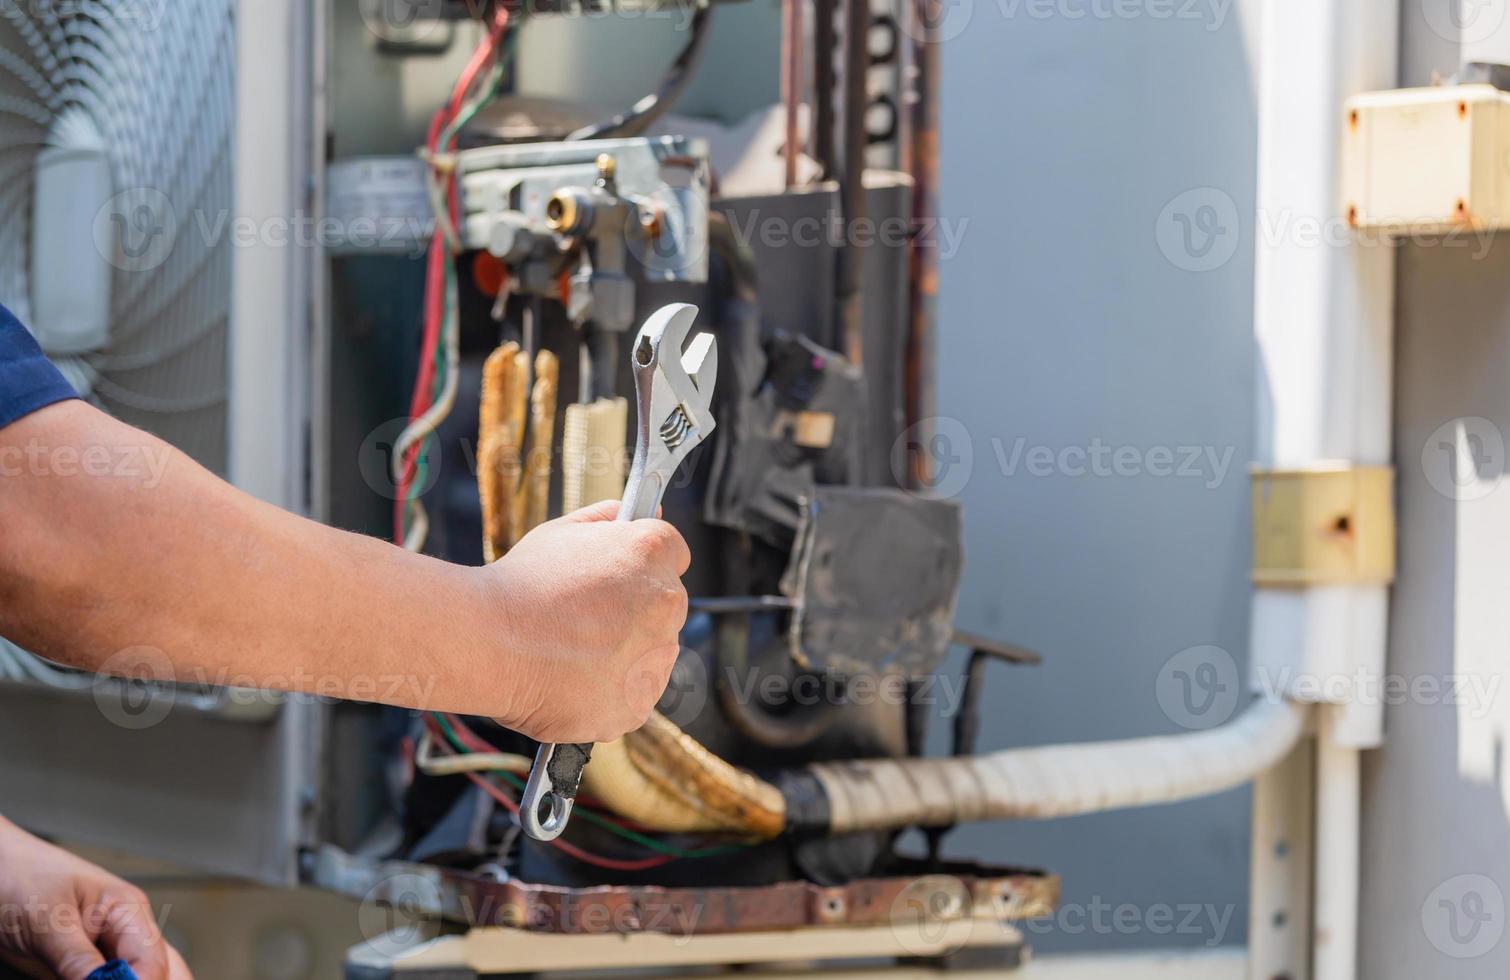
x=944 y=892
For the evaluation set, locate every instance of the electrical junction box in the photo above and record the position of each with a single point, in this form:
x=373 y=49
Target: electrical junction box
x=1427 y=160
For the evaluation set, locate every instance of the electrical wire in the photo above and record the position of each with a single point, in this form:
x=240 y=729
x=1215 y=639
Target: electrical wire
x=437 y=379
x=640 y=116
x=473 y=748
x=430 y=764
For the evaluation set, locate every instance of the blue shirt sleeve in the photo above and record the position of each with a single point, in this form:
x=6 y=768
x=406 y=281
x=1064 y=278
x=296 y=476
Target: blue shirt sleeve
x=28 y=381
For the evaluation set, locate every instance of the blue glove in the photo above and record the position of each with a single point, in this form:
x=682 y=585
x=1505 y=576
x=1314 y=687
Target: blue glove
x=114 y=970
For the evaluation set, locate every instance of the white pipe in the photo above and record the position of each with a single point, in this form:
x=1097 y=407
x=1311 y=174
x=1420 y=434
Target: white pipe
x=1058 y=780
x=1335 y=909
x=1323 y=321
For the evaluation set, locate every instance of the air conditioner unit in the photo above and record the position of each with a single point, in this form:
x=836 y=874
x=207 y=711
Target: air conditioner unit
x=154 y=154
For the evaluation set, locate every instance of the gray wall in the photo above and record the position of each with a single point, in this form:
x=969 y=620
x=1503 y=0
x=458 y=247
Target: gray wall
x=1064 y=323
x=1436 y=827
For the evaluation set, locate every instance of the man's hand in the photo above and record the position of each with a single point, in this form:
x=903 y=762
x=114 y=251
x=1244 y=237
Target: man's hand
x=593 y=607
x=61 y=916
x=570 y=637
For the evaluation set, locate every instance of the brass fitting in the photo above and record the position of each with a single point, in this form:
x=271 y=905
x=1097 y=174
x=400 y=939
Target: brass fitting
x=562 y=212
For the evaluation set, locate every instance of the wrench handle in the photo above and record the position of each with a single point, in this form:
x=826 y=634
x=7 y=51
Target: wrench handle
x=551 y=791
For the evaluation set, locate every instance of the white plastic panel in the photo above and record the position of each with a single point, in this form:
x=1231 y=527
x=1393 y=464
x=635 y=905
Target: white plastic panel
x=70 y=278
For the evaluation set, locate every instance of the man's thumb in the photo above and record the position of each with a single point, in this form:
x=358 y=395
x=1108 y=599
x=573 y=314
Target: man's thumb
x=603 y=510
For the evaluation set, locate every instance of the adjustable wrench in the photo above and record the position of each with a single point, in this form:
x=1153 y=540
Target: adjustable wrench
x=673 y=389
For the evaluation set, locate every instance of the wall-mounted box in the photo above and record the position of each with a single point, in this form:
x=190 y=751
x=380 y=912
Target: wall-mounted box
x=1323 y=526
x=1427 y=159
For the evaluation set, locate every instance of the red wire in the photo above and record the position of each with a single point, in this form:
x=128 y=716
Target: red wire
x=470 y=739
x=597 y=860
x=421 y=397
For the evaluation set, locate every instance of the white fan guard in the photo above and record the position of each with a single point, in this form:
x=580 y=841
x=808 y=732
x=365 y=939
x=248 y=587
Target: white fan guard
x=152 y=83
x=154 y=80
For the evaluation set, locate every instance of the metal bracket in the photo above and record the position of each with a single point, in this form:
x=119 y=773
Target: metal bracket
x=1324 y=526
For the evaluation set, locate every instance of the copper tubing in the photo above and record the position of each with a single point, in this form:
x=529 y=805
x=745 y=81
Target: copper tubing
x=920 y=160
x=791 y=82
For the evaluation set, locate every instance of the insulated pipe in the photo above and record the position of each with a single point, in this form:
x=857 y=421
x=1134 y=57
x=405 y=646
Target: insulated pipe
x=1057 y=780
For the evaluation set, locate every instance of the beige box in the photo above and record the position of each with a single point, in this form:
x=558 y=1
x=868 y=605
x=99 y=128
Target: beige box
x=1326 y=526
x=1427 y=159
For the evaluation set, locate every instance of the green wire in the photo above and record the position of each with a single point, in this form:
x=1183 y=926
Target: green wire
x=468 y=113
x=597 y=819
x=494 y=84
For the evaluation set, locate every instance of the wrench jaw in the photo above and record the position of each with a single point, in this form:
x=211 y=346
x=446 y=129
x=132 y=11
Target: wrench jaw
x=674 y=390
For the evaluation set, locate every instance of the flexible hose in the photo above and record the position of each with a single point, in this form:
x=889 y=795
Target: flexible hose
x=1057 y=780
x=661 y=778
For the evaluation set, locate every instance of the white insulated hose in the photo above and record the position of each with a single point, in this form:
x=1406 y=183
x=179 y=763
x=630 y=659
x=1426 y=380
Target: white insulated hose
x=1058 y=780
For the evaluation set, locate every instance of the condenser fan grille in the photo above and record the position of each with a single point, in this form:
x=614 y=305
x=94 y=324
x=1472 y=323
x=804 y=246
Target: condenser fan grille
x=147 y=87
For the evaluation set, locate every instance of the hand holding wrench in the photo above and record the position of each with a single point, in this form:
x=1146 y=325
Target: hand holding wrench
x=673 y=389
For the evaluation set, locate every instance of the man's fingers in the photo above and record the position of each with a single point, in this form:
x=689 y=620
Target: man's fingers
x=177 y=968
x=67 y=952
x=670 y=539
x=130 y=933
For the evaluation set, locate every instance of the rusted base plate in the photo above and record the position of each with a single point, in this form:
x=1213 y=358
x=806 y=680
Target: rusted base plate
x=950 y=894
x=911 y=893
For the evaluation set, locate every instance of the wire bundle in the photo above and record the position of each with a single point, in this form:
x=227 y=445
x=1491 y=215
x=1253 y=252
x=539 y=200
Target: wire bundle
x=490 y=770
x=436 y=380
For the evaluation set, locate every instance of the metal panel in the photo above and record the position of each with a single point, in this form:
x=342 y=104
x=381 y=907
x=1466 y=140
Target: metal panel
x=156 y=774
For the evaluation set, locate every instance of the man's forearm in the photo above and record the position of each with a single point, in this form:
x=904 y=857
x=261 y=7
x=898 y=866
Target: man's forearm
x=112 y=540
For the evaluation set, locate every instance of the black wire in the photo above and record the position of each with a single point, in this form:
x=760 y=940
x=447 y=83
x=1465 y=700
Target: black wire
x=640 y=116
